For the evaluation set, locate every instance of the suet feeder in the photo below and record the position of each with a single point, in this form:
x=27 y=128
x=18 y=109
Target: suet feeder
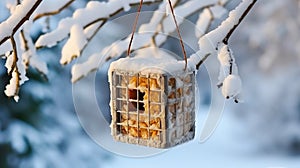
x=152 y=99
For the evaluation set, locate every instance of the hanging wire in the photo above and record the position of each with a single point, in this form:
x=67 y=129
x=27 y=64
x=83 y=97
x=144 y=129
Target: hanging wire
x=179 y=35
x=177 y=29
x=134 y=27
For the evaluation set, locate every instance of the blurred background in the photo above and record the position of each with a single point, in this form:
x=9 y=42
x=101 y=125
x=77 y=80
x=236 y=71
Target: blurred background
x=42 y=130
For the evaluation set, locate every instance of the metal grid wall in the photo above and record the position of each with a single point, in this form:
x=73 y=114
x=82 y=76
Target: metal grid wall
x=181 y=110
x=149 y=113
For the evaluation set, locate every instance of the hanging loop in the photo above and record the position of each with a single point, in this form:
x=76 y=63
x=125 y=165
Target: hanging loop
x=177 y=29
x=179 y=35
x=134 y=27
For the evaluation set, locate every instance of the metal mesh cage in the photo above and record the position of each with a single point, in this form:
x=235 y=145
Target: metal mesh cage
x=155 y=110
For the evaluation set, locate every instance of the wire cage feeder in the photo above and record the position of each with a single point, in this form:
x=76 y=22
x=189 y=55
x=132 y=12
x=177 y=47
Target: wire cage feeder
x=149 y=107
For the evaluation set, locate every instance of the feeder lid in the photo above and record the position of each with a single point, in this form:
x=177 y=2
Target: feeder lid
x=150 y=59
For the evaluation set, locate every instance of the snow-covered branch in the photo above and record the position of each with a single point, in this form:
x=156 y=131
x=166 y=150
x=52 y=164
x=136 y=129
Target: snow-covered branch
x=9 y=29
x=147 y=35
x=217 y=39
x=54 y=12
x=29 y=53
x=16 y=69
x=86 y=17
x=21 y=14
x=20 y=51
x=240 y=9
x=84 y=24
x=229 y=80
x=227 y=27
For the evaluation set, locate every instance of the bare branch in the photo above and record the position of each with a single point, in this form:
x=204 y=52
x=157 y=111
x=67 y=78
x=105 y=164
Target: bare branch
x=53 y=12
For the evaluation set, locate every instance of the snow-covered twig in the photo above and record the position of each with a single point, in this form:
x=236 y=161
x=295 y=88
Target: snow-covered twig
x=217 y=39
x=165 y=23
x=14 y=55
x=86 y=17
x=23 y=12
x=241 y=18
x=229 y=80
x=20 y=52
x=158 y=23
x=29 y=55
x=210 y=41
x=86 y=22
x=49 y=13
x=12 y=89
x=204 y=21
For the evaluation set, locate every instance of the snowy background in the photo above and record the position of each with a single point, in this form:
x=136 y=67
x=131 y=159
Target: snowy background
x=42 y=129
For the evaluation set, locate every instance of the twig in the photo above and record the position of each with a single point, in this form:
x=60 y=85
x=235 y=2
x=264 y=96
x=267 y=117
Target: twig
x=2 y=56
x=202 y=60
x=22 y=21
x=94 y=22
x=116 y=12
x=15 y=54
x=14 y=66
x=225 y=40
x=93 y=35
x=153 y=38
x=53 y=12
x=104 y=19
x=26 y=47
x=210 y=20
x=228 y=35
x=88 y=40
x=17 y=81
x=161 y=21
x=24 y=40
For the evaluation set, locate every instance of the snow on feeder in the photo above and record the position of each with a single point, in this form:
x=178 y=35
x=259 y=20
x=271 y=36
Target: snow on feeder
x=152 y=99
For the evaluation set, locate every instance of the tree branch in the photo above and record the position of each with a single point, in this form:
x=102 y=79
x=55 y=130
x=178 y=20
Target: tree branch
x=15 y=54
x=162 y=23
x=85 y=23
x=14 y=65
x=24 y=40
x=225 y=40
x=93 y=35
x=53 y=12
x=214 y=34
x=202 y=61
x=22 y=21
